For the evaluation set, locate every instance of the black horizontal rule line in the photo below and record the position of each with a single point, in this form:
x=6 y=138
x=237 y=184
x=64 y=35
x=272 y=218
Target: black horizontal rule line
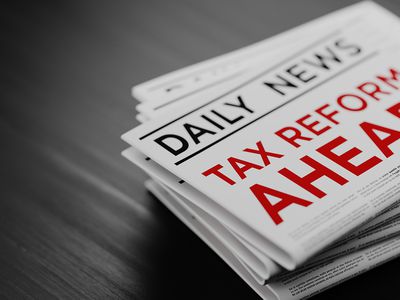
x=211 y=84
x=277 y=65
x=278 y=107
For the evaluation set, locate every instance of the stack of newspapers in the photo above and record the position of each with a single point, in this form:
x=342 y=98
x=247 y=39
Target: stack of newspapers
x=284 y=156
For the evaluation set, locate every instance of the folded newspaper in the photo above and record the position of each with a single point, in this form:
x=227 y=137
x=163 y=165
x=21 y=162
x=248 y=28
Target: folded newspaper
x=284 y=156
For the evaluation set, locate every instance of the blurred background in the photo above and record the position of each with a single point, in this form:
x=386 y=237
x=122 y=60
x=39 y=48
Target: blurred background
x=75 y=219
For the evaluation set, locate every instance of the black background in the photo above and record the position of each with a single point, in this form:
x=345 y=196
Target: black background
x=75 y=219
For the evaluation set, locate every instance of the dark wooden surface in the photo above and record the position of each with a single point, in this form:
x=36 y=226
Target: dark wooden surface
x=75 y=219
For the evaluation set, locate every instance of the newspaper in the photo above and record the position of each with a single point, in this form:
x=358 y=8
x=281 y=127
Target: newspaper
x=306 y=124
x=284 y=153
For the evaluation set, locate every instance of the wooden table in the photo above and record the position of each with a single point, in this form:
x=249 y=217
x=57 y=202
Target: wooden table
x=75 y=219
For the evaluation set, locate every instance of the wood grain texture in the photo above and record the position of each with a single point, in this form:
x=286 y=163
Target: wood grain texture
x=75 y=219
